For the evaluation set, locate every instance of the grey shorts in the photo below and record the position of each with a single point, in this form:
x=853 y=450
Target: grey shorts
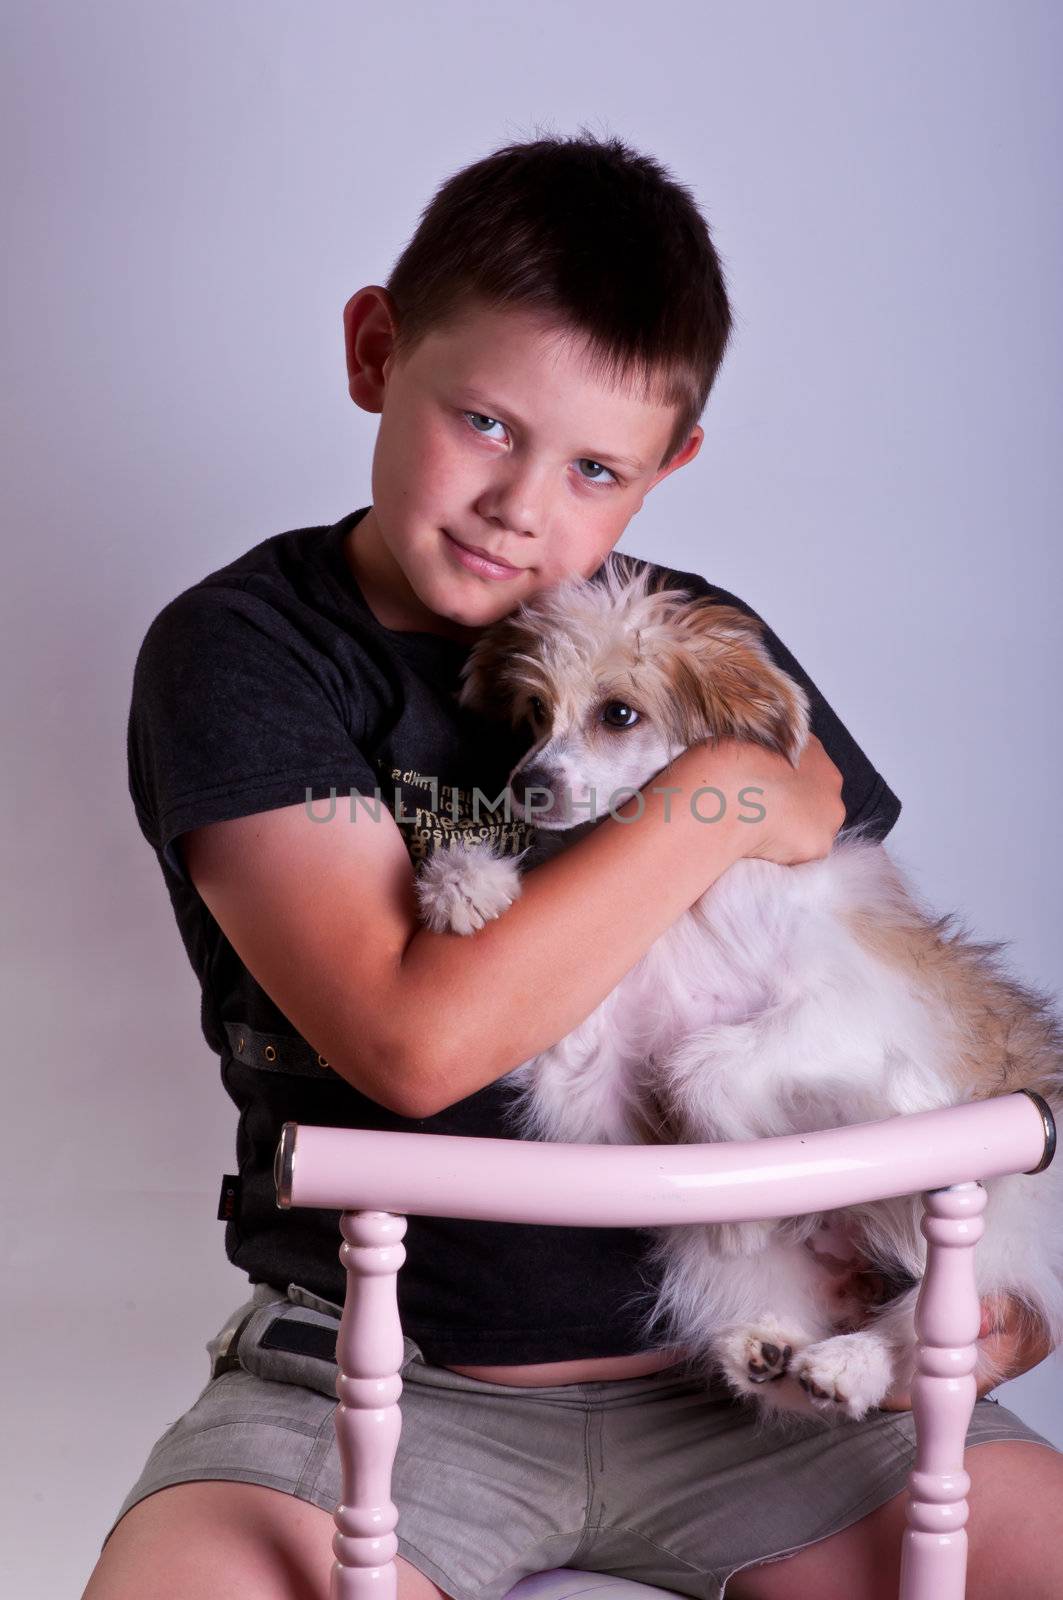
x=655 y=1479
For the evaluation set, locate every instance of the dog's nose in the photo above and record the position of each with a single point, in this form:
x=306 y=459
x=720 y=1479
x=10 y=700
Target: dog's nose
x=532 y=778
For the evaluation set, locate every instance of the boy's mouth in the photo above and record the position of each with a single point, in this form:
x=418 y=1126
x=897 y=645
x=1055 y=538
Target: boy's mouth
x=478 y=561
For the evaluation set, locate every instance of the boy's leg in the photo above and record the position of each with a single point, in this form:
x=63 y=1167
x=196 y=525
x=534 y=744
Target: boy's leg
x=1014 y=1548
x=203 y=1540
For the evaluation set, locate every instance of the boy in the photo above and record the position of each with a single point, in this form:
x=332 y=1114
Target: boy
x=560 y=308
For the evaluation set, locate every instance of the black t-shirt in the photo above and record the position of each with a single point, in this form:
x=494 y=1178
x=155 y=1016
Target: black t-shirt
x=270 y=682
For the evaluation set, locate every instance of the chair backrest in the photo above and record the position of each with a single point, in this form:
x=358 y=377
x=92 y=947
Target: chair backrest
x=375 y=1179
x=598 y=1185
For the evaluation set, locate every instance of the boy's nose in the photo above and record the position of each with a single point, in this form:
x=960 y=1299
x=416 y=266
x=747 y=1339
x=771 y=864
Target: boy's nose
x=515 y=500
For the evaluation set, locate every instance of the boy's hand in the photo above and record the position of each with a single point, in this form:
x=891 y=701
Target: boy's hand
x=1013 y=1338
x=803 y=808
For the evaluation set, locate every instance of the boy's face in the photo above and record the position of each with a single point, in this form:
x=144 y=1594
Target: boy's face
x=492 y=434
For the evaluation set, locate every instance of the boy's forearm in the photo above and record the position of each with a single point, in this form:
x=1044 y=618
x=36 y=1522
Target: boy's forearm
x=498 y=997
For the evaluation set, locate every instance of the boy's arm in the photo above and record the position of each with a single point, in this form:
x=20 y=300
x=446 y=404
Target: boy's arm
x=1014 y=1337
x=324 y=916
x=236 y=717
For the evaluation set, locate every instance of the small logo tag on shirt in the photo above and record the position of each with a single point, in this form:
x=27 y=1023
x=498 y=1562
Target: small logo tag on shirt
x=229 y=1199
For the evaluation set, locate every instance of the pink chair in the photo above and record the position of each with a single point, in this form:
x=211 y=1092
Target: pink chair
x=375 y=1178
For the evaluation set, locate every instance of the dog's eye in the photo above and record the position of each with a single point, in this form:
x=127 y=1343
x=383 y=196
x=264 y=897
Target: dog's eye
x=537 y=708
x=619 y=715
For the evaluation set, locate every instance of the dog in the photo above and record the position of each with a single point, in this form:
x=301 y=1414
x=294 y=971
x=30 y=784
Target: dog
x=787 y=999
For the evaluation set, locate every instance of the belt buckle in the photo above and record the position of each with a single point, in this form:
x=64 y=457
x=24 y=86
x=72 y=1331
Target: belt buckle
x=313 y=1302
x=225 y=1356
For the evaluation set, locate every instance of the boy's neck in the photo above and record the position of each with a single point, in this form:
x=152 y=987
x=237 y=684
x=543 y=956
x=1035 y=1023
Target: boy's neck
x=387 y=590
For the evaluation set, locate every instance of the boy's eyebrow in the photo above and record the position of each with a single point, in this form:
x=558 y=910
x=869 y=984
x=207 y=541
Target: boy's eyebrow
x=494 y=409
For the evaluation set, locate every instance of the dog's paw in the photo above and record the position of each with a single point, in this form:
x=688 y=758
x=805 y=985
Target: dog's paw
x=756 y=1354
x=845 y=1375
x=461 y=887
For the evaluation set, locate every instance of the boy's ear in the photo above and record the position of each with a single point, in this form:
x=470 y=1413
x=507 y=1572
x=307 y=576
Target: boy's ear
x=369 y=325
x=693 y=444
x=685 y=453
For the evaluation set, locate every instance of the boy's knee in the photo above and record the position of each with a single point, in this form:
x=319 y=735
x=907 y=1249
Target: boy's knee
x=196 y=1541
x=1009 y=1550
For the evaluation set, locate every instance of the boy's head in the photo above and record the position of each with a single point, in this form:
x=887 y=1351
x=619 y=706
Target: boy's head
x=540 y=354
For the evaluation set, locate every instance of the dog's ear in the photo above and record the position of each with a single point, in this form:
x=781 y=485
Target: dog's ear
x=726 y=685
x=488 y=682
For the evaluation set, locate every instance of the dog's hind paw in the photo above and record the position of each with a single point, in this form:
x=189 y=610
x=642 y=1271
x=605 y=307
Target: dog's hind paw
x=756 y=1354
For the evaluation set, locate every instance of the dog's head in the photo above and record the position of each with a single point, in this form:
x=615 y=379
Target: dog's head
x=615 y=675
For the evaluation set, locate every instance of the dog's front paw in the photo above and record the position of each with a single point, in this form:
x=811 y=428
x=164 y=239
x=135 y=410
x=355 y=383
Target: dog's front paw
x=845 y=1375
x=756 y=1354
x=461 y=887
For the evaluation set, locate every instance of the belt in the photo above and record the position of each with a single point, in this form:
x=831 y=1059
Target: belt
x=275 y=1052
x=301 y=1338
x=285 y=1332
x=225 y=1360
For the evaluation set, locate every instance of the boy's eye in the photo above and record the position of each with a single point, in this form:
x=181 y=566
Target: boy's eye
x=476 y=417
x=600 y=469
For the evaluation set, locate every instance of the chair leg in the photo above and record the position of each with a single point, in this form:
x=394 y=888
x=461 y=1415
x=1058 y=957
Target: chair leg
x=947 y=1319
x=369 y=1351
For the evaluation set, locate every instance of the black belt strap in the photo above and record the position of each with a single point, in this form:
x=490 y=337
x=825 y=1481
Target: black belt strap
x=275 y=1052
x=301 y=1338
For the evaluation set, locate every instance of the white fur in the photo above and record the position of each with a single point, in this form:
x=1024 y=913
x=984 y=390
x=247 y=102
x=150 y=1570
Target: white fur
x=760 y=1013
x=460 y=888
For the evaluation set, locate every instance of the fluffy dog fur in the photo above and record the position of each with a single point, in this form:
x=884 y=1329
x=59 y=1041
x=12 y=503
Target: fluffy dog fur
x=787 y=999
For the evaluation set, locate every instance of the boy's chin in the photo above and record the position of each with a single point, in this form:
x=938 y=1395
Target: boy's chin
x=478 y=616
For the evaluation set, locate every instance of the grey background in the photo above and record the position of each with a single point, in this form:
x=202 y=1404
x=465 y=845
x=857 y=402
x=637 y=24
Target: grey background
x=191 y=195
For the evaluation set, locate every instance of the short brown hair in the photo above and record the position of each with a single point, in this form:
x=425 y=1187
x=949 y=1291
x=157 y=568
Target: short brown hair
x=588 y=231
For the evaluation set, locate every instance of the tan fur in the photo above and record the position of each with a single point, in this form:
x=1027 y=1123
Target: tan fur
x=699 y=669
x=1007 y=1037
x=933 y=1017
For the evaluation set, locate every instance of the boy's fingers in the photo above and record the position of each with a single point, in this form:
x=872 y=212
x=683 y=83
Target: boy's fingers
x=997 y=1311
